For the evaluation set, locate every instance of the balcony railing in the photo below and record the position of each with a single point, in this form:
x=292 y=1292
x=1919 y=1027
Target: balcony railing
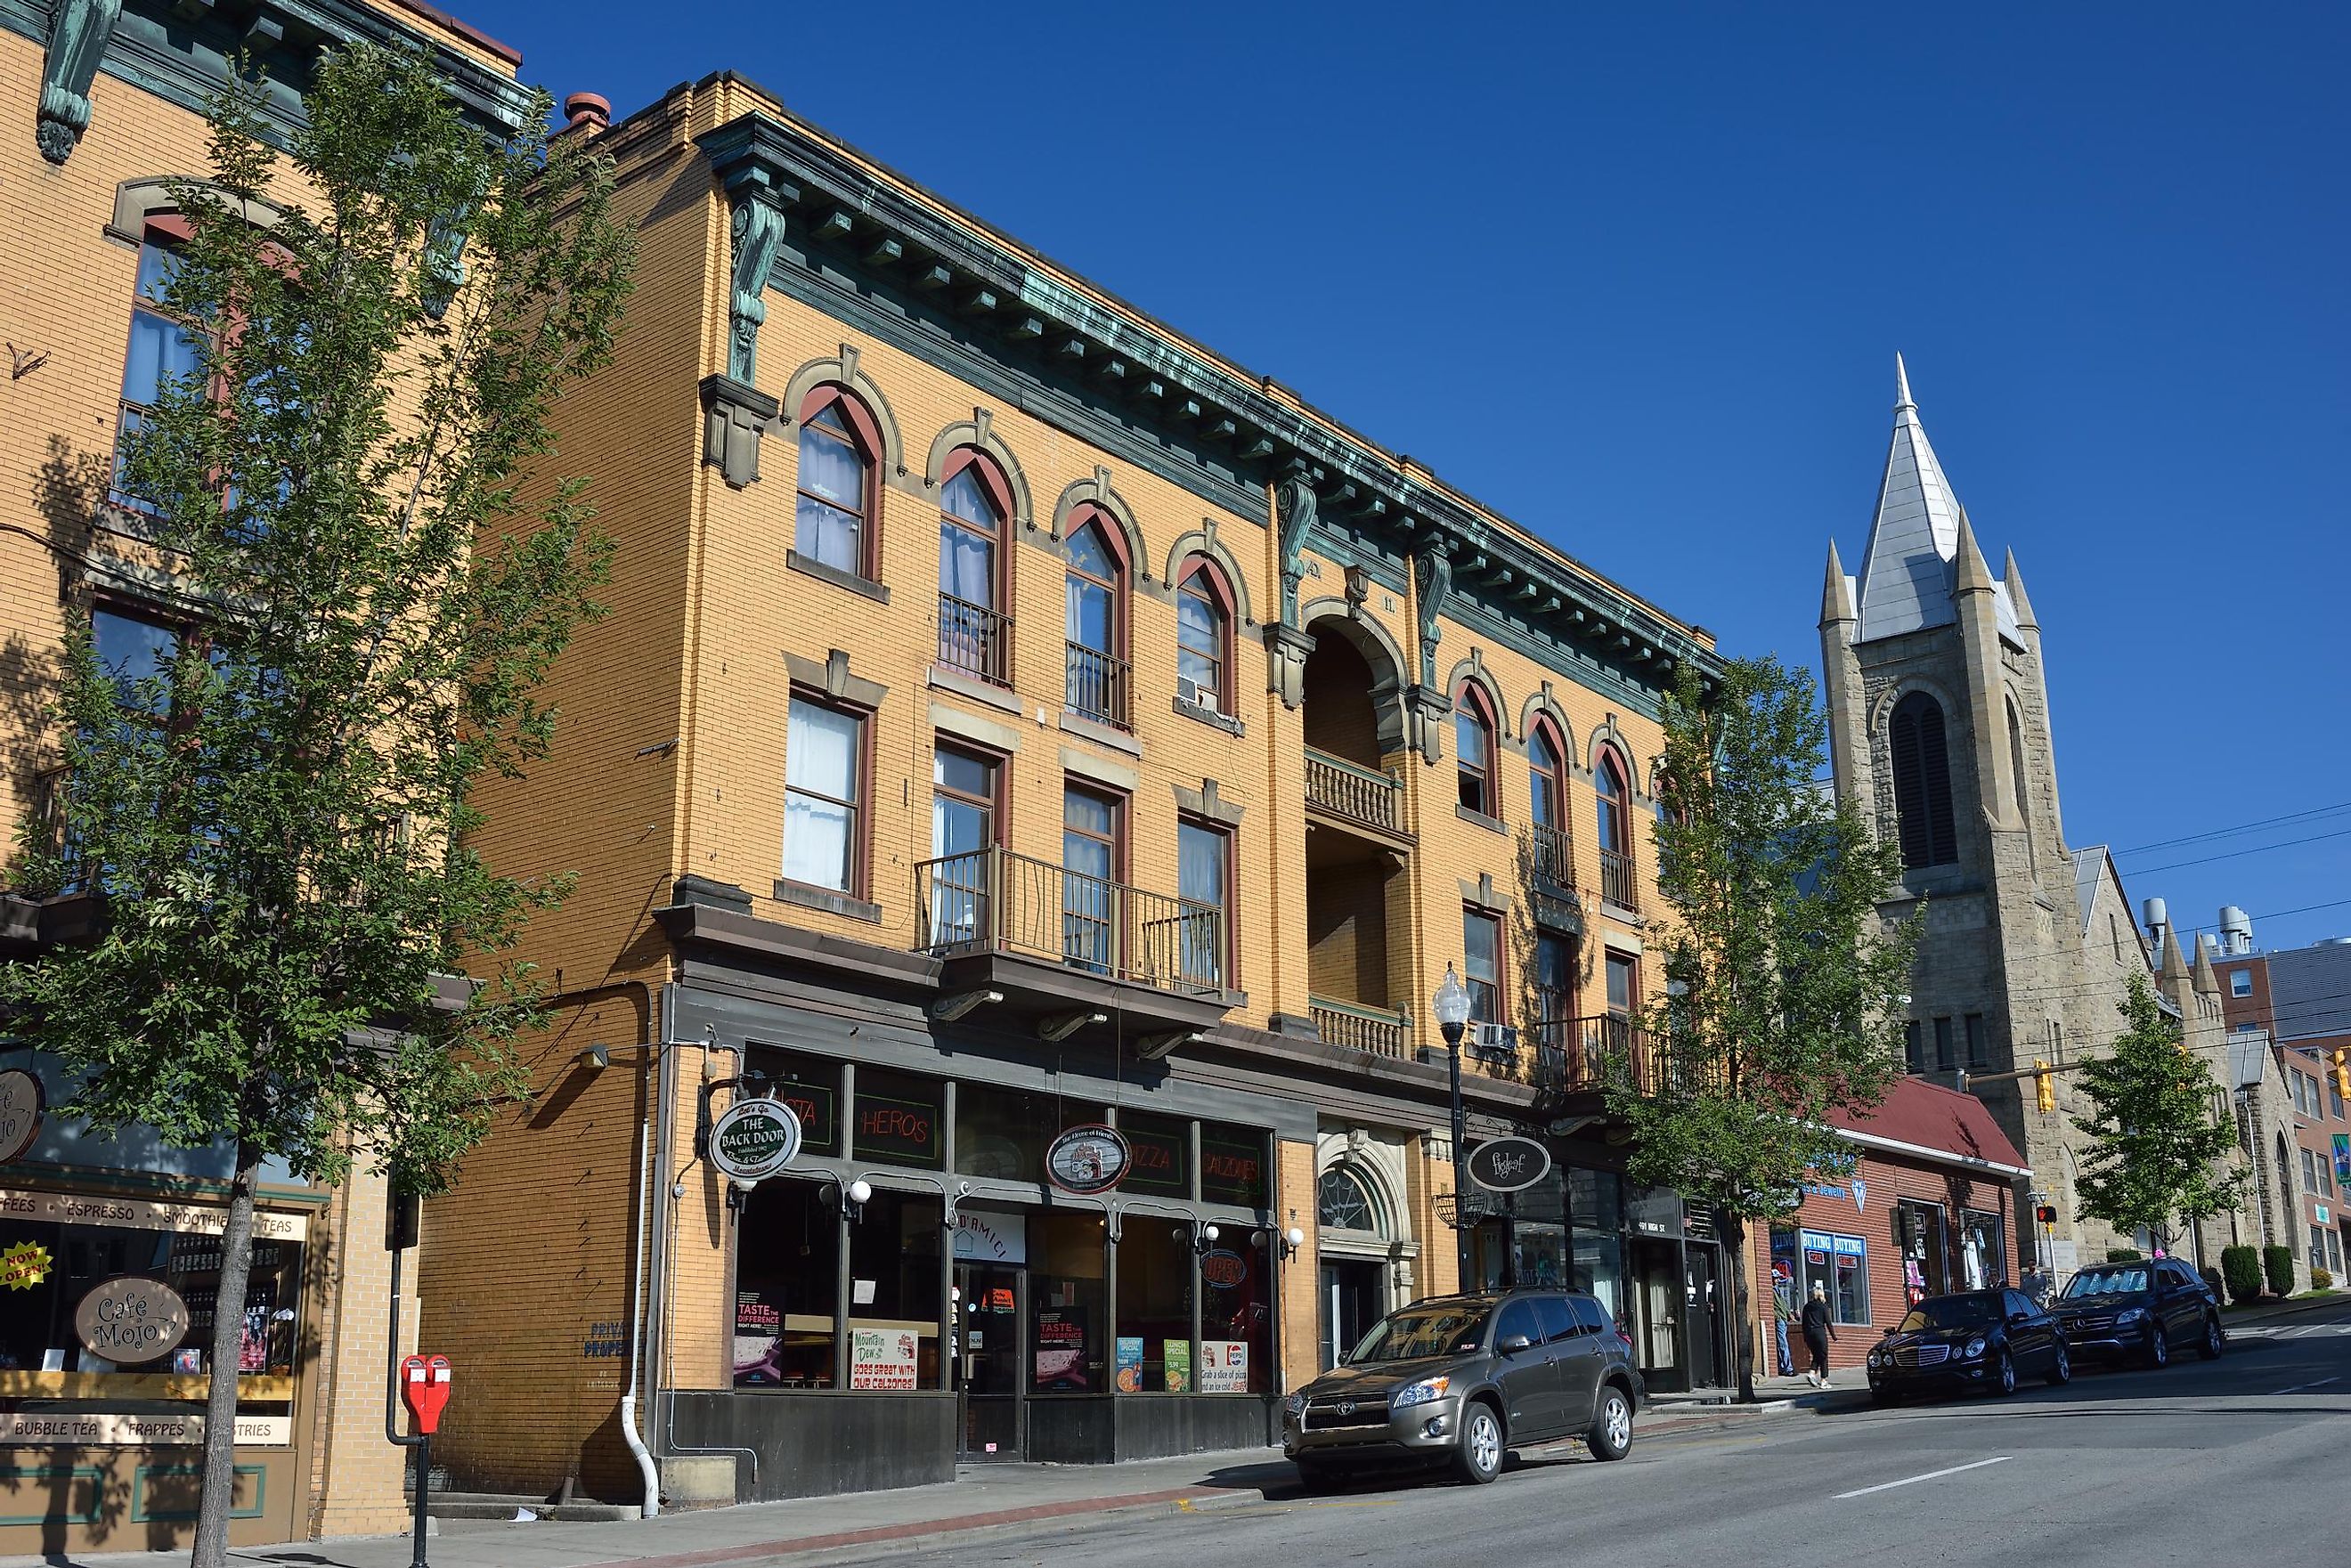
x=1618 y=884
x=994 y=901
x=1358 y=794
x=1553 y=854
x=1097 y=686
x=1357 y=1027
x=1577 y=1056
x=976 y=640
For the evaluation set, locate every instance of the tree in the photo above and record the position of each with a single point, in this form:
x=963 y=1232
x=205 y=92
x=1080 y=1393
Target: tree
x=2156 y=1150
x=1783 y=985
x=273 y=810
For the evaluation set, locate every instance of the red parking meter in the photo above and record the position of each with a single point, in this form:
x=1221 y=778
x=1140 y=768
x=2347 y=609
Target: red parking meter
x=424 y=1389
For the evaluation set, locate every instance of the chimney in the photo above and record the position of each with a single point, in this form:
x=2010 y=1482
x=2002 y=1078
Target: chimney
x=588 y=111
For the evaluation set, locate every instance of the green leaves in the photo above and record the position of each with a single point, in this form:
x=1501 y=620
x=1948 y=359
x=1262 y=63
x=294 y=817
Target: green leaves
x=367 y=581
x=2156 y=1151
x=1784 y=987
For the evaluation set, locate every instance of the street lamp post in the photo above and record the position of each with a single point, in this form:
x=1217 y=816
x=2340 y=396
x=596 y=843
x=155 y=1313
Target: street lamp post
x=1451 y=1005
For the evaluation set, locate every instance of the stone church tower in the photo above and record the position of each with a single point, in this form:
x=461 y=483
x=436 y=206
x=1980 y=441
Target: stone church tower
x=1939 y=730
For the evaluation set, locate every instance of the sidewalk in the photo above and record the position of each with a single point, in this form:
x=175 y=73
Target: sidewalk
x=982 y=1497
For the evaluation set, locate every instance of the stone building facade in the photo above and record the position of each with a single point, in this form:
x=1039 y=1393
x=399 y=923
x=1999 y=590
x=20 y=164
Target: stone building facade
x=1014 y=715
x=1940 y=730
x=104 y=105
x=2292 y=1007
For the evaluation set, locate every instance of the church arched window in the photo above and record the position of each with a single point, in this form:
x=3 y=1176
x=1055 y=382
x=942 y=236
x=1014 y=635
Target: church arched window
x=1922 y=783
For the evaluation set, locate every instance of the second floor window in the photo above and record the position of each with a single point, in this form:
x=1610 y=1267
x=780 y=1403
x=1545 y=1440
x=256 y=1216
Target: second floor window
x=831 y=523
x=963 y=801
x=1203 y=859
x=1481 y=967
x=1090 y=861
x=1094 y=612
x=164 y=349
x=974 y=631
x=824 y=776
x=1204 y=625
x=1623 y=985
x=1555 y=977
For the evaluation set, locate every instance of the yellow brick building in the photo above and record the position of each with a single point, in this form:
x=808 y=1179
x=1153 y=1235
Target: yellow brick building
x=1015 y=718
x=103 y=107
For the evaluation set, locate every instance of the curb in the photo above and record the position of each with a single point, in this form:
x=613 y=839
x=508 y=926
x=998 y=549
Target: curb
x=2256 y=1316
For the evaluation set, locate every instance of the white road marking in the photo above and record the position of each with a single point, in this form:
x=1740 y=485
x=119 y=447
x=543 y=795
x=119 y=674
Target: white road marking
x=1930 y=1474
x=2301 y=1387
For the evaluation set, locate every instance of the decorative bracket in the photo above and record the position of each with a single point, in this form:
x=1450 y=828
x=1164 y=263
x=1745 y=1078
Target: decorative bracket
x=1432 y=574
x=1294 y=506
x=1286 y=648
x=1427 y=713
x=748 y=156
x=78 y=30
x=734 y=416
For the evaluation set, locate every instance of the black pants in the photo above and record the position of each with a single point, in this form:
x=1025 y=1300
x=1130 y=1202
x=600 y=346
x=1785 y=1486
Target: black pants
x=1818 y=1345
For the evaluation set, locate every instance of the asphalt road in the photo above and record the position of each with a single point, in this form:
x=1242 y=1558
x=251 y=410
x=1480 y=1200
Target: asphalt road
x=2234 y=1460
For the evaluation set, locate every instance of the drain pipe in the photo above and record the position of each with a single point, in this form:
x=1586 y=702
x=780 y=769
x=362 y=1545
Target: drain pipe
x=629 y=1434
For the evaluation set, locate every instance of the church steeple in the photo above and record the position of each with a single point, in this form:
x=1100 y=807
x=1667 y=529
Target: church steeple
x=1836 y=593
x=1905 y=572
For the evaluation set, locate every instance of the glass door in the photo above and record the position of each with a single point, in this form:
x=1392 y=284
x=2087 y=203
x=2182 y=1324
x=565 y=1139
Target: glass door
x=989 y=1358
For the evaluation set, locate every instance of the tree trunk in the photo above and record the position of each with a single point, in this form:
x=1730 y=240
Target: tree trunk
x=1742 y=1347
x=228 y=1339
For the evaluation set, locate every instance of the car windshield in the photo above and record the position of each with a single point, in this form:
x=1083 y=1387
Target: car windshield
x=1953 y=1313
x=2104 y=1282
x=1417 y=1331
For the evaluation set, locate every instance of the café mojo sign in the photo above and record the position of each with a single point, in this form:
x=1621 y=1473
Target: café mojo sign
x=1509 y=1165
x=21 y=1105
x=754 y=1139
x=130 y=1320
x=1088 y=1159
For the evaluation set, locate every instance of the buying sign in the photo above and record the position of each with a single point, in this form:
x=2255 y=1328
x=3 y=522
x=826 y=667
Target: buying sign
x=754 y=1139
x=128 y=1319
x=1509 y=1165
x=1087 y=1159
x=21 y=1104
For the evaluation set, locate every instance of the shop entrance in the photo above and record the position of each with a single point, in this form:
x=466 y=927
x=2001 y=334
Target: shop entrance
x=1702 y=1310
x=1657 y=1288
x=990 y=1303
x=1354 y=1297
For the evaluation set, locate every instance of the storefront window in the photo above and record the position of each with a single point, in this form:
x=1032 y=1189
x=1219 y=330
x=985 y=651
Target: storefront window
x=787 y=1287
x=893 y=1292
x=1154 y=1306
x=1540 y=1256
x=1162 y=1146
x=809 y=1085
x=1983 y=1261
x=1919 y=1231
x=1596 y=1249
x=897 y=1118
x=1004 y=1133
x=1236 y=1315
x=1065 y=1304
x=1839 y=1265
x=1232 y=1165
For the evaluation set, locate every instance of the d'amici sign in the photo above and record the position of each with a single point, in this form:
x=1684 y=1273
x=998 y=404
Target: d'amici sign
x=754 y=1139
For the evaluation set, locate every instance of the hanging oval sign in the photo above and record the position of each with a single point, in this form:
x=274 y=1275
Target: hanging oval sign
x=128 y=1319
x=1509 y=1165
x=1088 y=1159
x=1223 y=1271
x=754 y=1139
x=22 y=1102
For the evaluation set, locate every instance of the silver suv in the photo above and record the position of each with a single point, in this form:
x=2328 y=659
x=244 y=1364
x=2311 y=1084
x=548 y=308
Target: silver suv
x=1457 y=1379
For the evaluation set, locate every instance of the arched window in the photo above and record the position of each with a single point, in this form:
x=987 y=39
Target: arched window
x=1473 y=747
x=1096 y=624
x=1342 y=1201
x=1204 y=636
x=1922 y=783
x=1611 y=783
x=1547 y=800
x=833 y=523
x=975 y=633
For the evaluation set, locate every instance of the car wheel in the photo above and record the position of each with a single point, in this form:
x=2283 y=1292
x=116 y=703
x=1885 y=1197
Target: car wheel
x=2213 y=1342
x=2158 y=1347
x=2003 y=1375
x=1611 y=1437
x=1477 y=1456
x=2061 y=1366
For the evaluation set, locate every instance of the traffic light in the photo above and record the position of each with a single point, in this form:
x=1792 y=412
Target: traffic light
x=2046 y=1214
x=2341 y=1057
x=2045 y=1086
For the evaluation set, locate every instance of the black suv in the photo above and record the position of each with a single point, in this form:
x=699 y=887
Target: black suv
x=1976 y=1339
x=2140 y=1310
x=1458 y=1379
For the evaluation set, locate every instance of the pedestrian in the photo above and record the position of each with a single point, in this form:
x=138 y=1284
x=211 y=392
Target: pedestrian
x=1818 y=1331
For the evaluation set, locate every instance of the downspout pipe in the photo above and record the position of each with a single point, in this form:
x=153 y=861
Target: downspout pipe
x=629 y=1433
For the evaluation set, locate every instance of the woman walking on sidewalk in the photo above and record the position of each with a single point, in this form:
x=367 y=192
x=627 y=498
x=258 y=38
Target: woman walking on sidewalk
x=1818 y=1331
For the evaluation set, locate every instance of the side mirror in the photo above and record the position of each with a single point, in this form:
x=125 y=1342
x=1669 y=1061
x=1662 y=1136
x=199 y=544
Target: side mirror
x=2020 y=1317
x=1515 y=1343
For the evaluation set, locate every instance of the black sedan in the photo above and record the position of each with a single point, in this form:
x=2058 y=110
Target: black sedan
x=1975 y=1340
x=2142 y=1309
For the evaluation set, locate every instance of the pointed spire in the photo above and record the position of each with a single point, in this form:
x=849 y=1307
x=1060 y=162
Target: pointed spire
x=2013 y=580
x=1836 y=594
x=2175 y=963
x=2206 y=979
x=1973 y=573
x=1902 y=386
x=1905 y=582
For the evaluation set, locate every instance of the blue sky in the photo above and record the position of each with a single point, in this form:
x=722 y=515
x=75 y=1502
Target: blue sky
x=1635 y=275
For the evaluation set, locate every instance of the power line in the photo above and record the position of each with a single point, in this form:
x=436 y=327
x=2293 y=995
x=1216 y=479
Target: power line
x=2240 y=854
x=2240 y=828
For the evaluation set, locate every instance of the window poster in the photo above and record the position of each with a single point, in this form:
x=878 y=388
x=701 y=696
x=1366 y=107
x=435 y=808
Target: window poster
x=1224 y=1366
x=882 y=1358
x=1062 y=1350
x=1177 y=1356
x=1130 y=1364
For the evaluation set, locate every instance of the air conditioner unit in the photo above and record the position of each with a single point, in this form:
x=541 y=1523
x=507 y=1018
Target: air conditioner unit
x=1191 y=691
x=1494 y=1038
